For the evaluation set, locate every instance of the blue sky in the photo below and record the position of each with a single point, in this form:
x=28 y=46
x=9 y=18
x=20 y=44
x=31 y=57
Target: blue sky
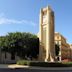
x=23 y=16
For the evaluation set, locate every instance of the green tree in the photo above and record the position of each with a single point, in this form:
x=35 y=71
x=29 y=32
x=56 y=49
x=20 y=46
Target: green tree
x=21 y=44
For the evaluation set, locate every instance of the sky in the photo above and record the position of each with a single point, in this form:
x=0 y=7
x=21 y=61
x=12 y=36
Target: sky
x=23 y=16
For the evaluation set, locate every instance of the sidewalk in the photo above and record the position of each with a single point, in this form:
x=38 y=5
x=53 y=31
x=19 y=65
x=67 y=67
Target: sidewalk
x=17 y=66
x=12 y=66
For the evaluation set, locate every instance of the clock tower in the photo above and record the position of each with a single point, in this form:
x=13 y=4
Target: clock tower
x=46 y=35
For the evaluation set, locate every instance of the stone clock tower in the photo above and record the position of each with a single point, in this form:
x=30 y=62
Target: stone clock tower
x=46 y=35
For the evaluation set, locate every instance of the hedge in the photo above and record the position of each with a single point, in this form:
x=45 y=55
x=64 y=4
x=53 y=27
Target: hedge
x=44 y=64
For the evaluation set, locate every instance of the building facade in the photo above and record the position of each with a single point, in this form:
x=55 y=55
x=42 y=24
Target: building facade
x=48 y=39
x=64 y=47
x=46 y=35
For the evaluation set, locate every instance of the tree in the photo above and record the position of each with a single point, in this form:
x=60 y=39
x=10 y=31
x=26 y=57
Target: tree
x=21 y=44
x=3 y=43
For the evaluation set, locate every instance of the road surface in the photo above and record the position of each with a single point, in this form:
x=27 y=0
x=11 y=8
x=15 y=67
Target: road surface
x=31 y=70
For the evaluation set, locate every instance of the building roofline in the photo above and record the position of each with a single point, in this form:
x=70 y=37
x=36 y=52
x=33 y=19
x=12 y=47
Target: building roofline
x=60 y=34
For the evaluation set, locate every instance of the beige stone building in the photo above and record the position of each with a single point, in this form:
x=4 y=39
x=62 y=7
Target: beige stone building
x=64 y=51
x=48 y=38
x=46 y=35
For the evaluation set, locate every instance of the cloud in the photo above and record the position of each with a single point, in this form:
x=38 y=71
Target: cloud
x=5 y=20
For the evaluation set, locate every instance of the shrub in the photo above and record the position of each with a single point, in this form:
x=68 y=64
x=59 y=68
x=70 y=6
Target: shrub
x=23 y=62
x=67 y=63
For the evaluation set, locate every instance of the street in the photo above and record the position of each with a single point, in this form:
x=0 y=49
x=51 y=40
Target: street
x=31 y=70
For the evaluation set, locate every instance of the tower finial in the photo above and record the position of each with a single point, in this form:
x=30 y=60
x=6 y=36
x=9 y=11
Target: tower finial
x=49 y=7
